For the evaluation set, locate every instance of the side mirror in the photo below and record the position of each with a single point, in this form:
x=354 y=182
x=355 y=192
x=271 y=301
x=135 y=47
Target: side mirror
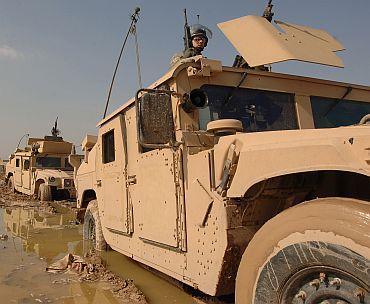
x=154 y=118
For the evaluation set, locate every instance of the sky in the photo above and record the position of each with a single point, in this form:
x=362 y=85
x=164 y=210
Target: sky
x=57 y=56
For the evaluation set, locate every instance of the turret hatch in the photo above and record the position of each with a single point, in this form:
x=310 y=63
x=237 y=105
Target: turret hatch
x=260 y=42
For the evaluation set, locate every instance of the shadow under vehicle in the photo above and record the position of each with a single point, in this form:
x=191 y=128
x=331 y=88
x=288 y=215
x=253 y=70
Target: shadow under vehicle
x=240 y=180
x=42 y=169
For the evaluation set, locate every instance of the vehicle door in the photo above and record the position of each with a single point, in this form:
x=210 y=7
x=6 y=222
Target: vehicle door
x=26 y=173
x=158 y=193
x=111 y=176
x=18 y=171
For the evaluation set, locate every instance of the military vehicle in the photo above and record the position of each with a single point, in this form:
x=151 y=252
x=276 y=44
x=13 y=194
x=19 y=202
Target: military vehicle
x=42 y=168
x=240 y=180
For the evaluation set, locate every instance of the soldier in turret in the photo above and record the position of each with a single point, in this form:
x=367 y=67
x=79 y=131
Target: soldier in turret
x=196 y=39
x=199 y=41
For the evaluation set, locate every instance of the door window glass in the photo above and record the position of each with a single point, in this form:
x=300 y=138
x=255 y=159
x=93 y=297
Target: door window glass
x=26 y=164
x=108 y=147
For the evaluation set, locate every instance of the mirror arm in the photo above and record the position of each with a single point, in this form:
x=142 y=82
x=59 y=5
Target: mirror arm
x=170 y=145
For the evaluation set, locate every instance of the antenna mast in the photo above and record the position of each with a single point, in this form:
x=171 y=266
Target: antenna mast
x=134 y=19
x=267 y=13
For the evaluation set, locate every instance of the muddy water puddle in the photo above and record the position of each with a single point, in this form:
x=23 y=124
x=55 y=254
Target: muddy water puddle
x=35 y=240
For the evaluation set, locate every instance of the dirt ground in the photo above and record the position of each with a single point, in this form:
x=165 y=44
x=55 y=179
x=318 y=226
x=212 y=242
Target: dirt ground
x=91 y=282
x=94 y=272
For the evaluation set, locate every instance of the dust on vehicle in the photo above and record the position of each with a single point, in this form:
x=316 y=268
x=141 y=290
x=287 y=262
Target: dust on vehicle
x=42 y=169
x=240 y=180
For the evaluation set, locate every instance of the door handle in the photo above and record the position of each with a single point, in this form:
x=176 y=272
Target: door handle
x=98 y=183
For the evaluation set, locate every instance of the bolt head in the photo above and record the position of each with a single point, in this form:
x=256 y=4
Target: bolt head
x=301 y=295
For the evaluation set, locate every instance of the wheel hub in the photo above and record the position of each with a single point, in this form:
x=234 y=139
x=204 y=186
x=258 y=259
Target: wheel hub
x=324 y=285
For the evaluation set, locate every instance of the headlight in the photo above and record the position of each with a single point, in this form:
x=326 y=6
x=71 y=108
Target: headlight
x=68 y=183
x=52 y=179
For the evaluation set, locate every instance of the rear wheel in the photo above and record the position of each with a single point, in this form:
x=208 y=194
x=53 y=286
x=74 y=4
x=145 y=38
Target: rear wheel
x=44 y=193
x=316 y=252
x=92 y=229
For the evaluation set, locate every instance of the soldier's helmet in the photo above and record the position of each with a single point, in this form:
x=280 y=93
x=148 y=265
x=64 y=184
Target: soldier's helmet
x=200 y=30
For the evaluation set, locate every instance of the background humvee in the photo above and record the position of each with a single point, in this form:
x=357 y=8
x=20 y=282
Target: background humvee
x=42 y=169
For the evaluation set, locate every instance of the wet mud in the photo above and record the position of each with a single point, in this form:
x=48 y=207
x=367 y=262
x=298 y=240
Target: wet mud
x=34 y=235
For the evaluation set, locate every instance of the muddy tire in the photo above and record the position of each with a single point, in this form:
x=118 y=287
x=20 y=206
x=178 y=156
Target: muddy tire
x=10 y=184
x=315 y=252
x=92 y=229
x=44 y=193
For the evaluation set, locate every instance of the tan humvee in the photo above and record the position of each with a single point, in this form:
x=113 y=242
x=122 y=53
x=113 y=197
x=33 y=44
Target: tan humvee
x=42 y=168
x=262 y=190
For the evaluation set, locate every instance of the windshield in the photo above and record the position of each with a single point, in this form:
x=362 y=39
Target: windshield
x=48 y=162
x=257 y=110
x=331 y=112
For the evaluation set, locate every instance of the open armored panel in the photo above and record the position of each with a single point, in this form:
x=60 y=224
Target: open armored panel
x=261 y=43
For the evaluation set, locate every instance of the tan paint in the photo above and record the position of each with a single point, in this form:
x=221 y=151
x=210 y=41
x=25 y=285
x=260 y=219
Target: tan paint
x=260 y=43
x=164 y=207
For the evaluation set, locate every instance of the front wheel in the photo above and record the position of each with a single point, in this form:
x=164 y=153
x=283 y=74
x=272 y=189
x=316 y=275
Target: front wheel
x=92 y=229
x=10 y=184
x=315 y=252
x=44 y=193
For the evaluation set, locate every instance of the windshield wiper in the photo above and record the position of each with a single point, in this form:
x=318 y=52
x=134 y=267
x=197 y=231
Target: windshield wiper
x=231 y=93
x=337 y=102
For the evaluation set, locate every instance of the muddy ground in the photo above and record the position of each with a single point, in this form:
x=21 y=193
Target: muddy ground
x=25 y=256
x=35 y=235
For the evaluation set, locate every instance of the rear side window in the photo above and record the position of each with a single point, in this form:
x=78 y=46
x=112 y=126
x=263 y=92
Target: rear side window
x=331 y=112
x=108 y=147
x=17 y=162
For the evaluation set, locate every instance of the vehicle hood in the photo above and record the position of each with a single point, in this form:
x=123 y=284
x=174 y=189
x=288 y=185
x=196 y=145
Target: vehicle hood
x=55 y=173
x=268 y=154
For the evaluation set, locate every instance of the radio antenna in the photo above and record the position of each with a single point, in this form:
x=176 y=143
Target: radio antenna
x=134 y=19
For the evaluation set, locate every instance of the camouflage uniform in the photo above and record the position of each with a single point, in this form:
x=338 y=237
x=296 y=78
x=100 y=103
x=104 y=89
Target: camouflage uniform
x=190 y=52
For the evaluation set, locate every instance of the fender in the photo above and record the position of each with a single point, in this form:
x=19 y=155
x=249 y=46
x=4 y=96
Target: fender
x=285 y=152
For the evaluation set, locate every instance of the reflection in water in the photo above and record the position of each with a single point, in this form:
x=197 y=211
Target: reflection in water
x=37 y=240
x=49 y=236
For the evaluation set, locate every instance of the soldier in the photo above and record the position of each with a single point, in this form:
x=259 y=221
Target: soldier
x=199 y=41
x=196 y=39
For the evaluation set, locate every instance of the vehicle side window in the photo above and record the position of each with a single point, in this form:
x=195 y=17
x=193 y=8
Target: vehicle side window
x=108 y=147
x=26 y=164
x=17 y=162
